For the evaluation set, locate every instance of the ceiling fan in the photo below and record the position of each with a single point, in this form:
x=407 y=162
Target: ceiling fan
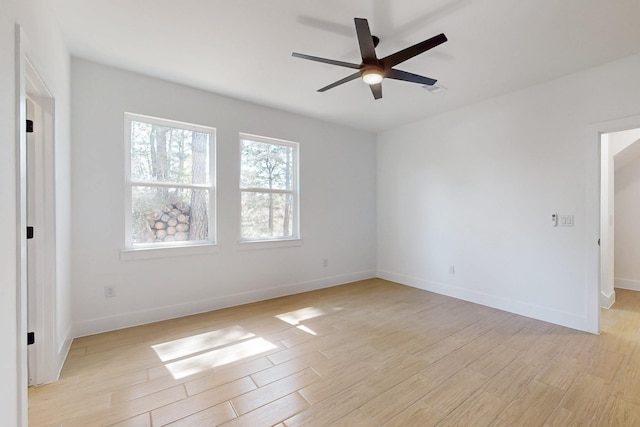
x=372 y=70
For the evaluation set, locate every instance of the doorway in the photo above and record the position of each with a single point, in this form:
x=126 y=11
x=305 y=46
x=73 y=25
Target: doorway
x=38 y=186
x=620 y=184
x=594 y=254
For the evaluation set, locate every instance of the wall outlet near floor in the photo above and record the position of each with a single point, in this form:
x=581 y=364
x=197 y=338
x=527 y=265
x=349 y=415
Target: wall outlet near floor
x=109 y=291
x=452 y=269
x=325 y=262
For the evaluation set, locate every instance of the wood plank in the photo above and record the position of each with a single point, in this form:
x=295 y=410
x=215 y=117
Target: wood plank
x=587 y=396
x=226 y=374
x=533 y=405
x=480 y=410
x=622 y=413
x=273 y=391
x=420 y=414
x=212 y=416
x=334 y=408
x=273 y=413
x=142 y=420
x=560 y=372
x=450 y=394
x=274 y=373
x=394 y=401
x=562 y=417
x=199 y=402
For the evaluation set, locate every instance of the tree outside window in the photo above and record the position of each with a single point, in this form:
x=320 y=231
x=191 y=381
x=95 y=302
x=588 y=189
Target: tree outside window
x=170 y=182
x=269 y=188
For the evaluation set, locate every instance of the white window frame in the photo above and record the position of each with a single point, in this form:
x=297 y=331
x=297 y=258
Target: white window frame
x=268 y=242
x=165 y=249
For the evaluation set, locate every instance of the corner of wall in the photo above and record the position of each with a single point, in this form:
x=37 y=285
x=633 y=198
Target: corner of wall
x=546 y=314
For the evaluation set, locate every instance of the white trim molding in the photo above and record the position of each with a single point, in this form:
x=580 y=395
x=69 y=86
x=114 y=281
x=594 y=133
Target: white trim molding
x=20 y=417
x=606 y=301
x=168 y=251
x=632 y=285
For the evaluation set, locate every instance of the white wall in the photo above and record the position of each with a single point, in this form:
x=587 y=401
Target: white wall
x=627 y=220
x=337 y=177
x=49 y=56
x=476 y=188
x=622 y=140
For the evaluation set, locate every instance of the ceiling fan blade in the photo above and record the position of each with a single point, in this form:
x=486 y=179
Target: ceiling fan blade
x=339 y=82
x=326 y=61
x=409 y=77
x=408 y=53
x=365 y=40
x=376 y=90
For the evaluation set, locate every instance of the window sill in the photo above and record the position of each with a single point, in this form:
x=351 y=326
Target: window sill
x=250 y=245
x=167 y=251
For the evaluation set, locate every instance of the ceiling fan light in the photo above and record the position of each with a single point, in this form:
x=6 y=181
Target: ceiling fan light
x=372 y=77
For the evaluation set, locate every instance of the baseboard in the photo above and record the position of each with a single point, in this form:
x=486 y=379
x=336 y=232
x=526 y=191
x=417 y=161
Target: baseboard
x=632 y=285
x=606 y=301
x=120 y=321
x=546 y=314
x=63 y=352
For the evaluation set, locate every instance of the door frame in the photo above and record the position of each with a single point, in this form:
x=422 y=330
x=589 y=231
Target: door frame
x=29 y=81
x=594 y=253
x=42 y=286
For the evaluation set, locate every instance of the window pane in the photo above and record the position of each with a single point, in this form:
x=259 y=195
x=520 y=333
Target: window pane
x=169 y=215
x=265 y=165
x=266 y=215
x=168 y=154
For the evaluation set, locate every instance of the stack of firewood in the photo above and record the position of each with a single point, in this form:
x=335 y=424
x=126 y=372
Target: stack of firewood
x=171 y=223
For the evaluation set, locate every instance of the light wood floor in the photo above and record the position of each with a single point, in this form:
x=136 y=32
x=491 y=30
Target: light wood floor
x=370 y=353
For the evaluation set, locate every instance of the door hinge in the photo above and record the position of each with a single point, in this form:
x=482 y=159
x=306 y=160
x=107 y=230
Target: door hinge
x=29 y=126
x=29 y=232
x=31 y=338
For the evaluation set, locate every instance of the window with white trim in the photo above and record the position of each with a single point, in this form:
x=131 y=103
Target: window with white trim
x=269 y=189
x=170 y=183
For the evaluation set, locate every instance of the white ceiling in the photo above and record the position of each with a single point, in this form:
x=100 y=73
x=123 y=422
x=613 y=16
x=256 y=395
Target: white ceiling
x=242 y=48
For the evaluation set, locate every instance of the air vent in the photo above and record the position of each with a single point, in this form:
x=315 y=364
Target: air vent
x=435 y=88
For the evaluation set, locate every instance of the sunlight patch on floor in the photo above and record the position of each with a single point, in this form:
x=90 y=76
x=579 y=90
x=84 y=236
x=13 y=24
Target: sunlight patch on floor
x=197 y=353
x=306 y=329
x=222 y=356
x=297 y=316
x=175 y=349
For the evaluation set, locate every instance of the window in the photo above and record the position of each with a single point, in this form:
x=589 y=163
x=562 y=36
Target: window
x=170 y=183
x=269 y=189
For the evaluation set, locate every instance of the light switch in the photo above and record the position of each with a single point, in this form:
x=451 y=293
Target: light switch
x=566 y=220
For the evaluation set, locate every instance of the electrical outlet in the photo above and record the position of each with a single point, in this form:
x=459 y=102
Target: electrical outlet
x=325 y=262
x=109 y=291
x=452 y=269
